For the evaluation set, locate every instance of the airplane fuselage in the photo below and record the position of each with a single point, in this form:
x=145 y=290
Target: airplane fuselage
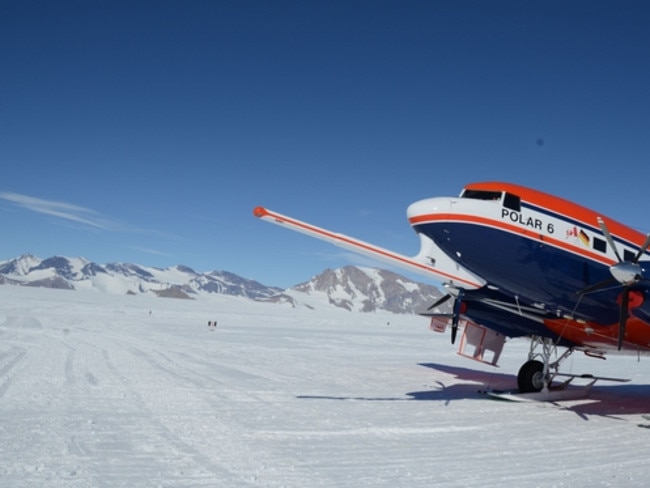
x=536 y=249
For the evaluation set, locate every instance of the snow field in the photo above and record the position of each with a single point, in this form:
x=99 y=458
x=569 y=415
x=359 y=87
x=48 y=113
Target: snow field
x=96 y=391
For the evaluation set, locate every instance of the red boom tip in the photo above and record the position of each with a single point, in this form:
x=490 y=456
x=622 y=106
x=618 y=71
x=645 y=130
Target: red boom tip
x=260 y=212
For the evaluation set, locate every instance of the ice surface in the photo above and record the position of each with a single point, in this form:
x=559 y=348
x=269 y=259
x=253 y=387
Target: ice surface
x=100 y=390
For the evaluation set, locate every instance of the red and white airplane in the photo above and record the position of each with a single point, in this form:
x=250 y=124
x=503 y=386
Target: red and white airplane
x=522 y=263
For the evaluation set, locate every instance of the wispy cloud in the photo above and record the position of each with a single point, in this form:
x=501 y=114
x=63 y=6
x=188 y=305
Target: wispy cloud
x=62 y=210
x=150 y=251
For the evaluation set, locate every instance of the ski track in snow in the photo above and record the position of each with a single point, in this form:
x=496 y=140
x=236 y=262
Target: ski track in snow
x=97 y=392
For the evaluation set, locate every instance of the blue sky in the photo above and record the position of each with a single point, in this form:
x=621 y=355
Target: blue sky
x=147 y=132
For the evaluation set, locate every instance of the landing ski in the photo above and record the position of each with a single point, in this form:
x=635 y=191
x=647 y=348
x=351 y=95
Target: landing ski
x=556 y=393
x=538 y=396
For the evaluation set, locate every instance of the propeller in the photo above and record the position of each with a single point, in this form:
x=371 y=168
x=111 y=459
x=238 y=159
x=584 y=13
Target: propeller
x=455 y=316
x=625 y=273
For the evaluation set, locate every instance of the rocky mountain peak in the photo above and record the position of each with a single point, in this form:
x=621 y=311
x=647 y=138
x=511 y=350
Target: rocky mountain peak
x=370 y=289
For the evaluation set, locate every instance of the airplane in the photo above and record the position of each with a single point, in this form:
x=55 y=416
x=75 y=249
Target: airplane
x=518 y=262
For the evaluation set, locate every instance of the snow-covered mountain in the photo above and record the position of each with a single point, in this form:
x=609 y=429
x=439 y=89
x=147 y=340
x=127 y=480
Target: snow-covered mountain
x=125 y=278
x=364 y=289
x=352 y=288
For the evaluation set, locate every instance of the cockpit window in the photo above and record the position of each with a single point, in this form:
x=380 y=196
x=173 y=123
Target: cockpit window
x=513 y=202
x=481 y=195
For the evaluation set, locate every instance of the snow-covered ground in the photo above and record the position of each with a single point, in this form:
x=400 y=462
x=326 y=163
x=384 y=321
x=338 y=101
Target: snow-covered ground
x=99 y=390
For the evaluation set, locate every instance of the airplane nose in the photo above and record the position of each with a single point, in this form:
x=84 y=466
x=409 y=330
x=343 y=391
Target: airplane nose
x=418 y=211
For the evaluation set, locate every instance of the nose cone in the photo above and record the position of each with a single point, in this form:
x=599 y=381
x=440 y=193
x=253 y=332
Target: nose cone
x=417 y=212
x=627 y=273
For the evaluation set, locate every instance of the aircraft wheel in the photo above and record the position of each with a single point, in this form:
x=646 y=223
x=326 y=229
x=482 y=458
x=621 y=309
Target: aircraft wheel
x=531 y=377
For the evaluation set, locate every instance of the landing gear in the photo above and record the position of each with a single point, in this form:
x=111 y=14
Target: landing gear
x=538 y=372
x=531 y=377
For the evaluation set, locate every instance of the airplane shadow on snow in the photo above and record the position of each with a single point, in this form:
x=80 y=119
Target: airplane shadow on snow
x=603 y=399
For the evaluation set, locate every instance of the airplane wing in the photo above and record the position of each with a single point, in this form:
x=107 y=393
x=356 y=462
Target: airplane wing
x=430 y=261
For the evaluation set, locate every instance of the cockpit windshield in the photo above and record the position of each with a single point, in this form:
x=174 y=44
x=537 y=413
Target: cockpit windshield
x=508 y=200
x=481 y=194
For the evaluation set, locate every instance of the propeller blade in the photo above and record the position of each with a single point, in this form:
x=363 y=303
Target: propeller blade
x=439 y=302
x=625 y=300
x=454 y=328
x=608 y=237
x=643 y=249
x=598 y=286
x=456 y=316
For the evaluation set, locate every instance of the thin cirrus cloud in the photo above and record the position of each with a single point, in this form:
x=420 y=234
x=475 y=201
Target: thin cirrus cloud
x=62 y=210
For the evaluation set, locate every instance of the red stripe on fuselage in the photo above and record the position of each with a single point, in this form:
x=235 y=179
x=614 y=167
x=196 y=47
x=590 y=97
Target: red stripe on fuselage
x=498 y=224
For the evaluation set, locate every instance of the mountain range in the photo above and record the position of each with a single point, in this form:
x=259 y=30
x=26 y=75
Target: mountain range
x=353 y=288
